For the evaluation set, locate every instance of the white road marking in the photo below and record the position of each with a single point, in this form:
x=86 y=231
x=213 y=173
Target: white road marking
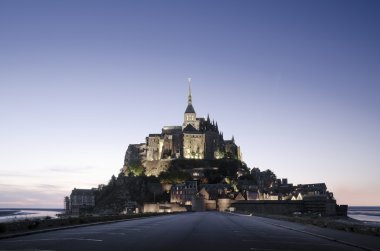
x=116 y=233
x=266 y=249
x=28 y=249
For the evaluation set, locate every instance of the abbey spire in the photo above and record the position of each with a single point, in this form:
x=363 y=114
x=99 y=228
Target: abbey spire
x=190 y=117
x=190 y=108
x=189 y=101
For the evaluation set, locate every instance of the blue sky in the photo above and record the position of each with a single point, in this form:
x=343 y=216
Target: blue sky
x=296 y=82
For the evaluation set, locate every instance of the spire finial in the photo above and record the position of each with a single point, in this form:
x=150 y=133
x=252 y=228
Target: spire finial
x=189 y=99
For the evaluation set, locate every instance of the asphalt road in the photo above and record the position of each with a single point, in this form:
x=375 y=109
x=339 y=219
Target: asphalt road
x=188 y=231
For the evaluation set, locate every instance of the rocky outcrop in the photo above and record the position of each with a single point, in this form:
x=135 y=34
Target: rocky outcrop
x=155 y=167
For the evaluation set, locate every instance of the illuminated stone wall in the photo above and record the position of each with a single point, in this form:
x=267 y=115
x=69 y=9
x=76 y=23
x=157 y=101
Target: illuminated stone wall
x=194 y=146
x=154 y=147
x=320 y=205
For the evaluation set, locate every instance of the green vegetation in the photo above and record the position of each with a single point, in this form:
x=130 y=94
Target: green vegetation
x=263 y=179
x=233 y=183
x=135 y=186
x=174 y=177
x=344 y=223
x=40 y=224
x=136 y=169
x=112 y=198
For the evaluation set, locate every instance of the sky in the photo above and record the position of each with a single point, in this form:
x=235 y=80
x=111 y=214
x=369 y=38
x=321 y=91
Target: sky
x=297 y=83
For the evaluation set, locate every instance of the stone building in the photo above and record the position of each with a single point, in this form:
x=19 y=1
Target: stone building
x=183 y=193
x=81 y=200
x=197 y=138
x=66 y=205
x=135 y=152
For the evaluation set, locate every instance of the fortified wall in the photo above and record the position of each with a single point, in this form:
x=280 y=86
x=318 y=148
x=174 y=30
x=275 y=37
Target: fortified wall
x=283 y=207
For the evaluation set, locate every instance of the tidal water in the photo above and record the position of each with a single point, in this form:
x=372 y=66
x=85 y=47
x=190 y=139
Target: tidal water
x=366 y=214
x=14 y=214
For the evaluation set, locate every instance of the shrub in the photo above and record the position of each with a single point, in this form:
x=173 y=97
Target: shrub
x=34 y=225
x=3 y=228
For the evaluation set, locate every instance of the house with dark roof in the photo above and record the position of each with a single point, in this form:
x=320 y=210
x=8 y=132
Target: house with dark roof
x=82 y=200
x=183 y=193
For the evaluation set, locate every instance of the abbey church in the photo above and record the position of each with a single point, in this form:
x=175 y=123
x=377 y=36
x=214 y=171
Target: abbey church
x=197 y=138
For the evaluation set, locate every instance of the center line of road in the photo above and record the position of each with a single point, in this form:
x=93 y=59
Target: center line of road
x=266 y=249
x=116 y=233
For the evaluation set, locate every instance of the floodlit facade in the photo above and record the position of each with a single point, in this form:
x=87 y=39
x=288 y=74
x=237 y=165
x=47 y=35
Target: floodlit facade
x=196 y=138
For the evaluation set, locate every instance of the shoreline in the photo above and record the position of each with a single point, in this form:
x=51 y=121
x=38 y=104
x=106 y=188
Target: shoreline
x=11 y=215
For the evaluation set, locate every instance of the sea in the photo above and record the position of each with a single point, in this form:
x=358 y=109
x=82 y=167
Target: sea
x=16 y=214
x=365 y=214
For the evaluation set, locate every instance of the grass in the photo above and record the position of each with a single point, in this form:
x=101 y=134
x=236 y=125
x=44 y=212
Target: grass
x=343 y=223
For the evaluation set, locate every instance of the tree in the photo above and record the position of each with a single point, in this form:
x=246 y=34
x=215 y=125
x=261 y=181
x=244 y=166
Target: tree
x=256 y=174
x=174 y=177
x=136 y=169
x=267 y=177
x=233 y=183
x=112 y=181
x=264 y=179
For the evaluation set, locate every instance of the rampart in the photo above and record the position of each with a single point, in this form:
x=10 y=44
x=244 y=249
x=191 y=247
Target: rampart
x=281 y=207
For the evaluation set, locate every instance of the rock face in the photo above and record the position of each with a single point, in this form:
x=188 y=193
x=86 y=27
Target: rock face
x=155 y=167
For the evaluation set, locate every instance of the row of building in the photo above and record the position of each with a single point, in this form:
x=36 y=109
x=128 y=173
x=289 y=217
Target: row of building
x=191 y=195
x=281 y=190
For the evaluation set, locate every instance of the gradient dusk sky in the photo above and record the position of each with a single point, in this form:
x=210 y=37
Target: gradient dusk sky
x=296 y=82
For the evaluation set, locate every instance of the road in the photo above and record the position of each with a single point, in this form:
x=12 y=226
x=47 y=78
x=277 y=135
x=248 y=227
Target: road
x=189 y=231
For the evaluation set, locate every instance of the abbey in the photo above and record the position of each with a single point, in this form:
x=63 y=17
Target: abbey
x=197 y=138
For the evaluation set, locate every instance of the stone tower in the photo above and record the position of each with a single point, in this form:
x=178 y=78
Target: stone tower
x=190 y=116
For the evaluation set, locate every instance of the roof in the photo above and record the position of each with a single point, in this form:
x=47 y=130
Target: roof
x=190 y=128
x=190 y=109
x=315 y=185
x=229 y=142
x=172 y=128
x=82 y=192
x=154 y=135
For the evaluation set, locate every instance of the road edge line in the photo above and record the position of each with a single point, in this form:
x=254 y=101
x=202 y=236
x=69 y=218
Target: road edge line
x=313 y=234
x=9 y=236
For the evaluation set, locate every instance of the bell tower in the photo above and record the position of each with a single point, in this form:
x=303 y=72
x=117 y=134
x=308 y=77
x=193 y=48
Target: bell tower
x=190 y=117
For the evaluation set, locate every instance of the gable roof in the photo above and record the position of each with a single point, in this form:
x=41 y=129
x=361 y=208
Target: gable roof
x=190 y=109
x=190 y=128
